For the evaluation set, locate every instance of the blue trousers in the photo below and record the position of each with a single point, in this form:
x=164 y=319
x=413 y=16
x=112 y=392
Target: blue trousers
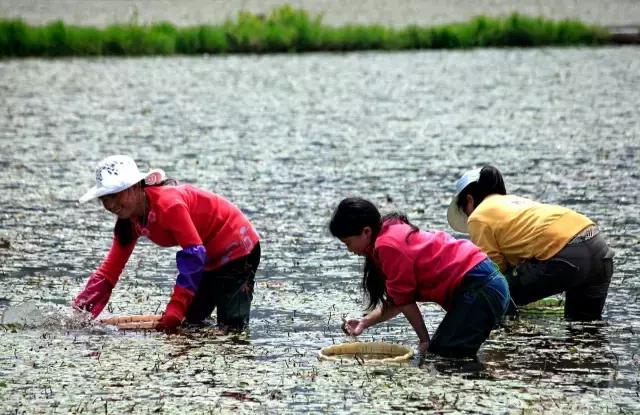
x=479 y=304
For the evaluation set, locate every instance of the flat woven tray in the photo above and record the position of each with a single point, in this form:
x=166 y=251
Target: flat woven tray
x=133 y=322
x=369 y=352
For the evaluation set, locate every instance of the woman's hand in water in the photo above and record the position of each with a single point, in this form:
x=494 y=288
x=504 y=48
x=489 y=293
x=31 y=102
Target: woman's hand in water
x=95 y=295
x=423 y=347
x=354 y=327
x=176 y=310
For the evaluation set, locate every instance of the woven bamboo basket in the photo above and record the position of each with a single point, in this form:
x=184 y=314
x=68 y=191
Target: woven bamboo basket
x=133 y=322
x=369 y=352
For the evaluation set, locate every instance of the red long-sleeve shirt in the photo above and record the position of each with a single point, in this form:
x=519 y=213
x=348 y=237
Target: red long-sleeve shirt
x=428 y=266
x=186 y=216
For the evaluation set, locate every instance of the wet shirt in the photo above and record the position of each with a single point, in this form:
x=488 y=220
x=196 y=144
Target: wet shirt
x=422 y=266
x=186 y=216
x=511 y=229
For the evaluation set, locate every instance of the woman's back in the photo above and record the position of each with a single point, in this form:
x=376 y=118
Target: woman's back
x=423 y=266
x=512 y=228
x=201 y=217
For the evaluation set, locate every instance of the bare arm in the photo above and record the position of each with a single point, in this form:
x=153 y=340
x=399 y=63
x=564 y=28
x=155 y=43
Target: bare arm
x=355 y=327
x=381 y=314
x=411 y=311
x=413 y=314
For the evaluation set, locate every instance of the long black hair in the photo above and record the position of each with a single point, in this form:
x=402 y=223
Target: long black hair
x=123 y=230
x=489 y=183
x=351 y=216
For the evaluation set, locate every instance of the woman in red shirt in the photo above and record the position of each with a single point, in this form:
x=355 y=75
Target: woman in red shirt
x=220 y=249
x=404 y=265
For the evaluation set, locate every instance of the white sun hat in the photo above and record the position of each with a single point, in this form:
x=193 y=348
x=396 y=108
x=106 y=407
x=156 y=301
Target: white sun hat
x=455 y=216
x=117 y=173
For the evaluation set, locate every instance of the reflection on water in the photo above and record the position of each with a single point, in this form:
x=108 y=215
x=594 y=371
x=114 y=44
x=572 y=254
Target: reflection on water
x=286 y=137
x=581 y=354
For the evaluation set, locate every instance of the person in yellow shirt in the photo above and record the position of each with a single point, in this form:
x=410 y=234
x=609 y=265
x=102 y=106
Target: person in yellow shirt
x=543 y=249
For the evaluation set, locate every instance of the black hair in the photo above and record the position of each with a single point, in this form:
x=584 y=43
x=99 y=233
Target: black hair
x=123 y=229
x=489 y=183
x=351 y=216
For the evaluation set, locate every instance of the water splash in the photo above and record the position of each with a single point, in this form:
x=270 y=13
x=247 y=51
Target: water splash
x=30 y=315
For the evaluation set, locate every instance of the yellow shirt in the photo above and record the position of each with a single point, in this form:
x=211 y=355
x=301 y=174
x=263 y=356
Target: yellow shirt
x=511 y=229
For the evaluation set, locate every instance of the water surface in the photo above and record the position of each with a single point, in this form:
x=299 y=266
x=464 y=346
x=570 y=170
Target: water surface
x=285 y=138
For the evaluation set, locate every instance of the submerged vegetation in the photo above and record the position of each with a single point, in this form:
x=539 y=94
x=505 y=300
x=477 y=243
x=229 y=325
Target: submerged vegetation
x=285 y=29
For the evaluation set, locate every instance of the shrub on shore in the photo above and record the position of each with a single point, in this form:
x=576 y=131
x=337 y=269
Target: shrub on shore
x=285 y=29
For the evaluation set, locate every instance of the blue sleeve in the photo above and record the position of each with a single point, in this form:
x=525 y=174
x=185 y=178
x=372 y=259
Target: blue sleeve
x=190 y=262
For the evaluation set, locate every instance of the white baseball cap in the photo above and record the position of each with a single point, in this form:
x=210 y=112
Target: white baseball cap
x=115 y=174
x=455 y=216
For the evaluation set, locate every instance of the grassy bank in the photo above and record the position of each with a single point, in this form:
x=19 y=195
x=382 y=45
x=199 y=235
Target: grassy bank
x=285 y=30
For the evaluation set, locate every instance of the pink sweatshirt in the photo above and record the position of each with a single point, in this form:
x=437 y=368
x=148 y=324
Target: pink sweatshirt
x=428 y=266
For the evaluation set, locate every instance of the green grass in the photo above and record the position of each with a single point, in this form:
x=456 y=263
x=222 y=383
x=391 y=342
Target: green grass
x=286 y=29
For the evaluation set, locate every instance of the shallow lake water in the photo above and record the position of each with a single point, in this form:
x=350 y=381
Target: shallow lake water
x=286 y=137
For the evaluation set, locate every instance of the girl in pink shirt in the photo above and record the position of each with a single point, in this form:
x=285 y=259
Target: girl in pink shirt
x=404 y=265
x=220 y=250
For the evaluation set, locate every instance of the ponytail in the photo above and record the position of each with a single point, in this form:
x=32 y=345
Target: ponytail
x=374 y=286
x=489 y=183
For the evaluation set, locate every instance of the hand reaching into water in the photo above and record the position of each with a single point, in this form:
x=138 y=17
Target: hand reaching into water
x=423 y=347
x=170 y=319
x=176 y=309
x=95 y=295
x=354 y=327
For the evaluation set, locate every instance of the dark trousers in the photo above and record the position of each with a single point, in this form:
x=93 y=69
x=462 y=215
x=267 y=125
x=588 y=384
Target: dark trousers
x=582 y=270
x=479 y=304
x=230 y=290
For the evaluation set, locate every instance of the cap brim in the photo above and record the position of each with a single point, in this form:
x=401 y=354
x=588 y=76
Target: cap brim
x=96 y=191
x=456 y=218
x=91 y=194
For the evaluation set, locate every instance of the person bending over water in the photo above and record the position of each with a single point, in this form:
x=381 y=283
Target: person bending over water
x=404 y=265
x=542 y=249
x=220 y=248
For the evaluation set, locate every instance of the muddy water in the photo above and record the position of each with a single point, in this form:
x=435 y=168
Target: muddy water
x=286 y=137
